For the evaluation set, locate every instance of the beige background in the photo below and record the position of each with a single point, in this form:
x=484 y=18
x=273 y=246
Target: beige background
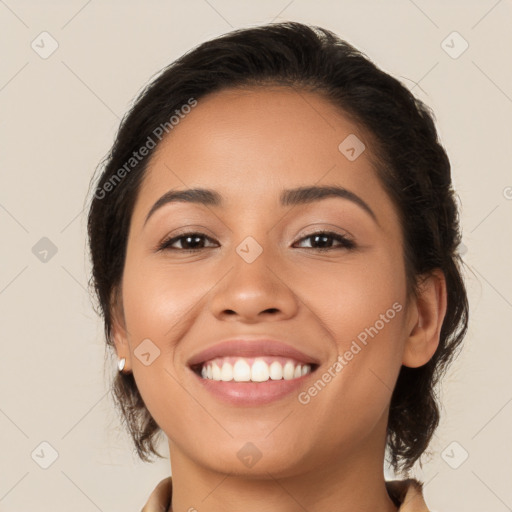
x=58 y=119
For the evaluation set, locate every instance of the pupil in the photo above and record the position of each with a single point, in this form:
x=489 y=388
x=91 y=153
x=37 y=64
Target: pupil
x=317 y=237
x=195 y=238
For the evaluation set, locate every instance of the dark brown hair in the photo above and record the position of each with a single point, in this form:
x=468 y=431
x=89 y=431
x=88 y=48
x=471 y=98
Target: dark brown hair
x=407 y=154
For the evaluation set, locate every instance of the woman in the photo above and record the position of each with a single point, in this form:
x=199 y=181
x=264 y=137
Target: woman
x=274 y=250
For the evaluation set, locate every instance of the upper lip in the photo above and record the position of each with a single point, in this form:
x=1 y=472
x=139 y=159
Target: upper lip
x=251 y=348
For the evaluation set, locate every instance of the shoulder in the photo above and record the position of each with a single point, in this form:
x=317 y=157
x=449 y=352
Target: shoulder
x=409 y=493
x=160 y=498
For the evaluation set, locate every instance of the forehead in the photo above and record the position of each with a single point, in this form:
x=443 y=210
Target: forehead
x=251 y=143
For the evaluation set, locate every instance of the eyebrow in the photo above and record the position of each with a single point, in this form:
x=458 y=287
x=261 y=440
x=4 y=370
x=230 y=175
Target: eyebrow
x=290 y=197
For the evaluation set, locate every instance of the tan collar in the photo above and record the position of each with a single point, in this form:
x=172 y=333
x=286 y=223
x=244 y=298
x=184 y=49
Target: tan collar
x=407 y=492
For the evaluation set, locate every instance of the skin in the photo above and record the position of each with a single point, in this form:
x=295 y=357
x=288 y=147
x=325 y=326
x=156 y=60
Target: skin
x=324 y=455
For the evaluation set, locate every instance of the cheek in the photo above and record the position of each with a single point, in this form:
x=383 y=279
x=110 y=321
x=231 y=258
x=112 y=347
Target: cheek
x=361 y=307
x=349 y=297
x=159 y=310
x=158 y=300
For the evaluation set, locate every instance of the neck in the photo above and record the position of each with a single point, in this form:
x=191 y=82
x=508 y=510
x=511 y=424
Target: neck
x=343 y=483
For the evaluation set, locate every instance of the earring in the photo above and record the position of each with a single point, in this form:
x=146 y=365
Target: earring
x=120 y=364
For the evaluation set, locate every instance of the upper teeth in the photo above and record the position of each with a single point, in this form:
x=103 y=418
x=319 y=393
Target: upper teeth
x=255 y=370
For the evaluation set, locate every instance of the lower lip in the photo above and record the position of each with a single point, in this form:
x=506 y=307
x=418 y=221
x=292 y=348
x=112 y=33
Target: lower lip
x=252 y=393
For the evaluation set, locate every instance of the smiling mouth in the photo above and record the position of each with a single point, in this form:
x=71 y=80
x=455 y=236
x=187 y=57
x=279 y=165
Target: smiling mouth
x=252 y=369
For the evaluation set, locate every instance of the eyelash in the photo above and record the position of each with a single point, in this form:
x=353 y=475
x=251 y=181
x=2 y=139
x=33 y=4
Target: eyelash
x=346 y=243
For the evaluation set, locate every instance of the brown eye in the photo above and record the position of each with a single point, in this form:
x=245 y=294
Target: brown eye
x=322 y=239
x=190 y=242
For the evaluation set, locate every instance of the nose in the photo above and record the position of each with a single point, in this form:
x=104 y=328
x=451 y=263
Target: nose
x=254 y=292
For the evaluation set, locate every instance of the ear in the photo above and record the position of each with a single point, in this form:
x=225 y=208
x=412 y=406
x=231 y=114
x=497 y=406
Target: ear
x=427 y=314
x=119 y=331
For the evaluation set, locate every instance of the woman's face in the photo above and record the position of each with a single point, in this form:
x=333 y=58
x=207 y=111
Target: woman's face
x=259 y=272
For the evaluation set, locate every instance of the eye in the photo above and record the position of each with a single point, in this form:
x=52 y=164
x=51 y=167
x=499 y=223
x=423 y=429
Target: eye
x=322 y=238
x=192 y=242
